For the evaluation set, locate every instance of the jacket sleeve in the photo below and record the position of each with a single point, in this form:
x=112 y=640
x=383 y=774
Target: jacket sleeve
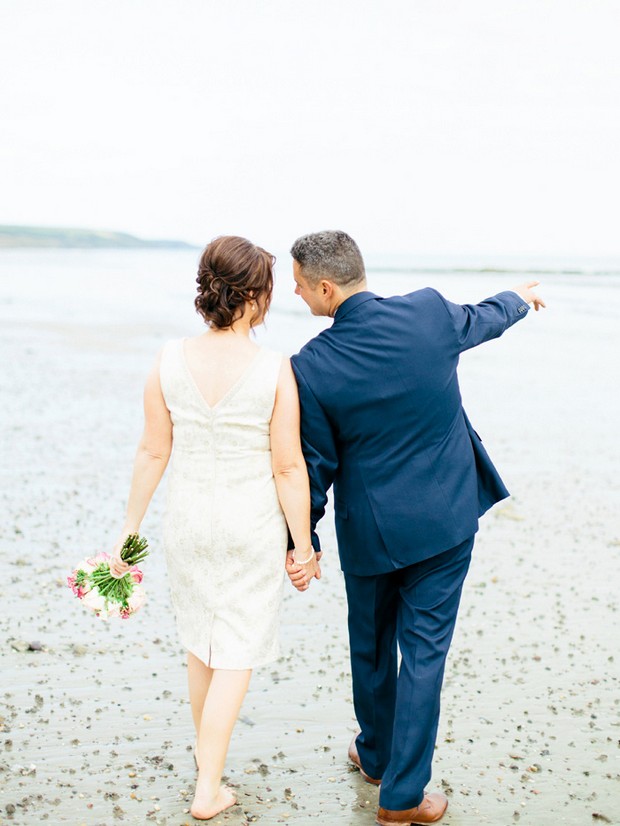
x=477 y=323
x=319 y=448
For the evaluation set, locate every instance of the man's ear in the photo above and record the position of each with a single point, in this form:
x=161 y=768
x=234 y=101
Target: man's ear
x=327 y=288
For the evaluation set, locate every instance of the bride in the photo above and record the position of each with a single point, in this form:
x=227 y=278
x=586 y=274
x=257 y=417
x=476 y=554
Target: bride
x=228 y=412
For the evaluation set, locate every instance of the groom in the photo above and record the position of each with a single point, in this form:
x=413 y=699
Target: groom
x=382 y=421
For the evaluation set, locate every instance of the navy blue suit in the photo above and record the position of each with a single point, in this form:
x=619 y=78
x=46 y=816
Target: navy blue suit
x=382 y=421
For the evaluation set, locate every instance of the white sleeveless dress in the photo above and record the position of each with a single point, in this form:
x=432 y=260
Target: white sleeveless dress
x=225 y=535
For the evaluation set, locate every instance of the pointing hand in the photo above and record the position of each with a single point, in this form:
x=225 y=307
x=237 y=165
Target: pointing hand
x=526 y=293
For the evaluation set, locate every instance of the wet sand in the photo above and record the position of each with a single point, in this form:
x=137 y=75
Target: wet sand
x=95 y=726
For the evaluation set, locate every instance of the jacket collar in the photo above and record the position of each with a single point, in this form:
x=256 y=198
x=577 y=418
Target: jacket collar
x=352 y=302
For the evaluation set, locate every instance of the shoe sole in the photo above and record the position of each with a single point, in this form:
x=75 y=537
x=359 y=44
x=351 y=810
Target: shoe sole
x=365 y=776
x=368 y=779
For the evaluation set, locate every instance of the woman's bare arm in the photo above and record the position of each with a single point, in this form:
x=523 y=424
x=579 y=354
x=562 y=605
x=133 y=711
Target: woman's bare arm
x=290 y=474
x=150 y=463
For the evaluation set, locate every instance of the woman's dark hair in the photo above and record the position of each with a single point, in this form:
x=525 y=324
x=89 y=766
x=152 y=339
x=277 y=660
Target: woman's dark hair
x=232 y=271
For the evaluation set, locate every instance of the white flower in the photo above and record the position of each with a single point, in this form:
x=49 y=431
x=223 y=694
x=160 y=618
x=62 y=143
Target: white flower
x=94 y=600
x=137 y=599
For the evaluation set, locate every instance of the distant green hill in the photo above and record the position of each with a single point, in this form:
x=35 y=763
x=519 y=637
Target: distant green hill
x=56 y=237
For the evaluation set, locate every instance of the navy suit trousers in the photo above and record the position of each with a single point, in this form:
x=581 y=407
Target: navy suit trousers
x=398 y=709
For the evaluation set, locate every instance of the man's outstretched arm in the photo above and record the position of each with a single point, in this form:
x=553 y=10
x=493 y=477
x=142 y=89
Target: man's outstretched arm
x=477 y=323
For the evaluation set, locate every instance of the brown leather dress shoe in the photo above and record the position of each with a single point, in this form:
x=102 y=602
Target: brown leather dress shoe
x=355 y=759
x=430 y=810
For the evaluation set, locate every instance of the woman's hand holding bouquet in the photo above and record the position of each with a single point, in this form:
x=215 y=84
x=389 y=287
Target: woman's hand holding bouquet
x=110 y=585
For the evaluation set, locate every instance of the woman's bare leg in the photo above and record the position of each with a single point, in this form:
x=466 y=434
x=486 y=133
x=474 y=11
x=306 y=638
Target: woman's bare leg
x=225 y=695
x=199 y=679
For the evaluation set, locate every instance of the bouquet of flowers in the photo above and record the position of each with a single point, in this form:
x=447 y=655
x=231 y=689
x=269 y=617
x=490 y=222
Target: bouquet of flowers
x=94 y=585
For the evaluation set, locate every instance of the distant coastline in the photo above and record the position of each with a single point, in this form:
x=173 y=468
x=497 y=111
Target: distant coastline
x=525 y=271
x=12 y=237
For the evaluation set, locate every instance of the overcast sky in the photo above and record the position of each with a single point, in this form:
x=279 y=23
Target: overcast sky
x=429 y=126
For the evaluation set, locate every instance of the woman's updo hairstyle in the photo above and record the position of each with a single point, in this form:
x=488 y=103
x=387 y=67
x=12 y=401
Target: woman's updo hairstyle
x=231 y=272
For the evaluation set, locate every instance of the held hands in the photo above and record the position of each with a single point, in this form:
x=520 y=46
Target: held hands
x=526 y=293
x=302 y=575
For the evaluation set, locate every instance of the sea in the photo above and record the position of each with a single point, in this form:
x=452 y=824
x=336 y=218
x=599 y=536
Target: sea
x=152 y=290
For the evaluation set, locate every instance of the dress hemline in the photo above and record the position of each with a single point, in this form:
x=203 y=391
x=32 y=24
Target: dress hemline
x=224 y=667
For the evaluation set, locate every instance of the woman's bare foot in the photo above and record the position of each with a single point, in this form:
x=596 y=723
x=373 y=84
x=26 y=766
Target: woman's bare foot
x=204 y=808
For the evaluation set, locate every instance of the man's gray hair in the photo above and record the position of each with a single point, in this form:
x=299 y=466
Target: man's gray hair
x=330 y=254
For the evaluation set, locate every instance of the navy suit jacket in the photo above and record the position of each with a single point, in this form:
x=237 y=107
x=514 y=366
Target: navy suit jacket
x=382 y=421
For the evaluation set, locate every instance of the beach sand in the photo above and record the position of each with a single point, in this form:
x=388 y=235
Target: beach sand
x=95 y=725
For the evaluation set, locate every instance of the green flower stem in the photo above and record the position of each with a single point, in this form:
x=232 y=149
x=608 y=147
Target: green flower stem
x=134 y=549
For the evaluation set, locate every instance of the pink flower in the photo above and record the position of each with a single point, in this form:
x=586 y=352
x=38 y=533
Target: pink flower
x=95 y=561
x=78 y=589
x=136 y=573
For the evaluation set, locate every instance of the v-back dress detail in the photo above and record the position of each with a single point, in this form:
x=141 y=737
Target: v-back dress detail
x=225 y=534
